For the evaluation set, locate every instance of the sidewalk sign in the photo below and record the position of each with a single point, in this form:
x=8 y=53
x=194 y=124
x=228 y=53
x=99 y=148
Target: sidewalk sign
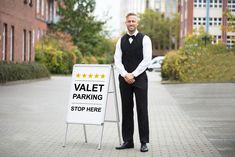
x=91 y=86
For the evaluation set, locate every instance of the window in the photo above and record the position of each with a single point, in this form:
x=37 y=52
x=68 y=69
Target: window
x=38 y=34
x=50 y=11
x=4 y=42
x=29 y=46
x=47 y=11
x=30 y=3
x=229 y=41
x=24 y=46
x=12 y=43
x=33 y=37
x=42 y=8
x=38 y=7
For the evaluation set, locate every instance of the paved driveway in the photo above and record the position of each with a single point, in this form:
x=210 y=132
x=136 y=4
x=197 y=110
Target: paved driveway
x=32 y=123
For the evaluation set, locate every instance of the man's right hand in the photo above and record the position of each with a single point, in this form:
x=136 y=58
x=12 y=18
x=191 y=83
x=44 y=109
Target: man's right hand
x=129 y=78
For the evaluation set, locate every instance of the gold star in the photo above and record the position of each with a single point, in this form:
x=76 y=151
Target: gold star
x=84 y=75
x=90 y=75
x=102 y=76
x=78 y=75
x=96 y=75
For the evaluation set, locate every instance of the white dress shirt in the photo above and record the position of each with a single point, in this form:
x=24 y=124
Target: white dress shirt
x=147 y=56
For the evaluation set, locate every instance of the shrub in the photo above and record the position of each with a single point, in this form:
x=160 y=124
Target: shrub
x=206 y=66
x=197 y=61
x=14 y=72
x=171 y=66
x=58 y=53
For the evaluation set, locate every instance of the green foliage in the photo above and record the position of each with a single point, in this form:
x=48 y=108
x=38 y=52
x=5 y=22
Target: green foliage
x=207 y=66
x=58 y=53
x=170 y=66
x=104 y=51
x=78 y=21
x=196 y=42
x=219 y=48
x=87 y=33
x=230 y=27
x=197 y=62
x=164 y=32
x=14 y=72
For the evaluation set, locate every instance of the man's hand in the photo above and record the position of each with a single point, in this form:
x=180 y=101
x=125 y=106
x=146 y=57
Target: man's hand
x=129 y=78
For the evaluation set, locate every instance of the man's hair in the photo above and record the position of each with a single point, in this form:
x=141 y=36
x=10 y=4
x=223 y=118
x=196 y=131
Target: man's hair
x=131 y=14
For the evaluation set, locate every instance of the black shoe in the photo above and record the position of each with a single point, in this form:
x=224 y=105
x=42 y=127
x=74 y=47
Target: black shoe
x=126 y=145
x=143 y=147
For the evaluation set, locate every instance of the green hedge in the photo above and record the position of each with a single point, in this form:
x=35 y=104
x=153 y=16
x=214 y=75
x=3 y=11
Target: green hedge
x=204 y=66
x=14 y=72
x=198 y=61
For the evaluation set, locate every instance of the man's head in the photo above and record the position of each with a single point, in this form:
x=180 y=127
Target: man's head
x=131 y=22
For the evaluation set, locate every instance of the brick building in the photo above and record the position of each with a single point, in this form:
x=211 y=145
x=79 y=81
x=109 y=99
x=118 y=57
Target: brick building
x=22 y=24
x=209 y=14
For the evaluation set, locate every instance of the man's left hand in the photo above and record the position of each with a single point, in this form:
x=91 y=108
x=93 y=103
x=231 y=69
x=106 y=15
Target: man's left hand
x=129 y=78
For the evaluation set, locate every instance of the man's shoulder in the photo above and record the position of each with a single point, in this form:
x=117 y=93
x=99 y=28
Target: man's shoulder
x=144 y=35
x=123 y=36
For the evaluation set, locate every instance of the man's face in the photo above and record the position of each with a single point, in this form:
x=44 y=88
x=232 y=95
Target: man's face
x=131 y=23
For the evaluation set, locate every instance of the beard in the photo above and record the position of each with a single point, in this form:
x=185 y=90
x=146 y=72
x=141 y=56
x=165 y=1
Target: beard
x=131 y=31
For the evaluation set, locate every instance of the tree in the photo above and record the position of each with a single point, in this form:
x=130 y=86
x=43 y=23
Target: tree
x=77 y=20
x=175 y=27
x=164 y=32
x=230 y=21
x=230 y=27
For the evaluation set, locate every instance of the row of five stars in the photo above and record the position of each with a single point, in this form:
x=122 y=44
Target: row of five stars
x=89 y=75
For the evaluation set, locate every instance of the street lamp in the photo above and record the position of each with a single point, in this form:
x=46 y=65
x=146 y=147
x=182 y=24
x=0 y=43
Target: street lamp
x=205 y=38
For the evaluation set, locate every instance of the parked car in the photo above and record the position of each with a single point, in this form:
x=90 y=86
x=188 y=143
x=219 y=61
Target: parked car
x=156 y=63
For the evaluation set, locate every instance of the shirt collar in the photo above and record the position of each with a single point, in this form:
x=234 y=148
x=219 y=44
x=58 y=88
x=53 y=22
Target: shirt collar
x=136 y=32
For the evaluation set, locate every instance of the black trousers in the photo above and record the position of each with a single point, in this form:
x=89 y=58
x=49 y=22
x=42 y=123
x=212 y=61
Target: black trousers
x=140 y=89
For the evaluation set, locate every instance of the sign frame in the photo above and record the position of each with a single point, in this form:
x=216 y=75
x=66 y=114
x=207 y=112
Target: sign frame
x=75 y=118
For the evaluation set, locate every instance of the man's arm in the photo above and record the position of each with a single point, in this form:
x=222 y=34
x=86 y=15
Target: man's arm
x=147 y=56
x=118 y=59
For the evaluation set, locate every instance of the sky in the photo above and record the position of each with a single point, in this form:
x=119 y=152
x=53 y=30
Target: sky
x=109 y=9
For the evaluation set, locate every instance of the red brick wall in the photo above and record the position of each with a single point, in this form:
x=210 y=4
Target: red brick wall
x=23 y=17
x=186 y=21
x=190 y=16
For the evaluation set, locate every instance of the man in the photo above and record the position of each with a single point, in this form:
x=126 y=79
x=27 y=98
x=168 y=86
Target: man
x=132 y=57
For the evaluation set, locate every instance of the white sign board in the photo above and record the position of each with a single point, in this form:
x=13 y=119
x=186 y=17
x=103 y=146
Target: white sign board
x=88 y=95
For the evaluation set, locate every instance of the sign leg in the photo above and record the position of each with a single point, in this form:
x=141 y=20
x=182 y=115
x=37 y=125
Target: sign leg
x=119 y=134
x=116 y=106
x=84 y=129
x=101 y=136
x=65 y=138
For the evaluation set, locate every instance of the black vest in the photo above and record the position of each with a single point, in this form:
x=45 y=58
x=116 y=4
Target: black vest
x=132 y=53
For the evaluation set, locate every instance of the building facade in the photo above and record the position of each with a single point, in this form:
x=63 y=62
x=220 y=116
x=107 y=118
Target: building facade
x=166 y=7
x=22 y=24
x=207 y=14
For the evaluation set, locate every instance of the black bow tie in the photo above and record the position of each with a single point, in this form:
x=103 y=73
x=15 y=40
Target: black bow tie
x=131 y=36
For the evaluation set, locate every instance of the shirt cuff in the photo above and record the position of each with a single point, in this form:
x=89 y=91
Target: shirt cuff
x=135 y=73
x=123 y=73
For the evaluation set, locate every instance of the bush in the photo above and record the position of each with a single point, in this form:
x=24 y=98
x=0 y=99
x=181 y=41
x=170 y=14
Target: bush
x=171 y=66
x=58 y=53
x=207 y=65
x=14 y=72
x=200 y=62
